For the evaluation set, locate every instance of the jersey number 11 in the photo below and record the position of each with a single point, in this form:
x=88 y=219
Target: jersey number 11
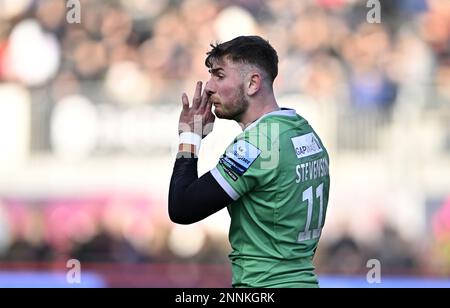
x=308 y=234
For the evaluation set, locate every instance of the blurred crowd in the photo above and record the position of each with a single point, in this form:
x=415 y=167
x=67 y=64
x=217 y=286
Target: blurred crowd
x=138 y=53
x=129 y=229
x=145 y=51
x=105 y=228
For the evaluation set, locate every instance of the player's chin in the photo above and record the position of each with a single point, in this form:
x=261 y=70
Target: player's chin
x=221 y=114
x=218 y=112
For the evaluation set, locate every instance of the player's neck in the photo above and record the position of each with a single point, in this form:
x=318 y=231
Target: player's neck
x=257 y=110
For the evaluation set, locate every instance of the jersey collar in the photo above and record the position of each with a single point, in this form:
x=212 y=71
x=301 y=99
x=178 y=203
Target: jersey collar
x=285 y=112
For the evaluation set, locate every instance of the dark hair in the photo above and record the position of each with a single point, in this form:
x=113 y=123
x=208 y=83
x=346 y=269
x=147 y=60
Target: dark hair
x=247 y=49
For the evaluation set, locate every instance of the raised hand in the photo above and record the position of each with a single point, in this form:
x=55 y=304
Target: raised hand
x=197 y=118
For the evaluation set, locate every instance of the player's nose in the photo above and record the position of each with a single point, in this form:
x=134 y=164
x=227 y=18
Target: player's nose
x=210 y=87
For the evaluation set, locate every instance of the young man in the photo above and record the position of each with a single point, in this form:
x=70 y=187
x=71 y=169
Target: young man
x=274 y=177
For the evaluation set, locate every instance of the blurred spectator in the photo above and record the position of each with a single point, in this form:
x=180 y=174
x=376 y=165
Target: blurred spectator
x=370 y=84
x=104 y=248
x=323 y=78
x=442 y=90
x=344 y=256
x=51 y=15
x=394 y=253
x=29 y=243
x=435 y=28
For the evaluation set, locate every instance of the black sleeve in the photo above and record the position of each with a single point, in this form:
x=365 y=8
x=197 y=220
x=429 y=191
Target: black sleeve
x=192 y=199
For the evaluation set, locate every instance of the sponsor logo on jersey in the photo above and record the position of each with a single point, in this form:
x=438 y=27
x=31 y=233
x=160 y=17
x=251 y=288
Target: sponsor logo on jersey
x=227 y=170
x=240 y=156
x=231 y=164
x=306 y=145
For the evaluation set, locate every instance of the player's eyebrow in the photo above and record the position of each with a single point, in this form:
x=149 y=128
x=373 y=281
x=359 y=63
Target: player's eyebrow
x=215 y=71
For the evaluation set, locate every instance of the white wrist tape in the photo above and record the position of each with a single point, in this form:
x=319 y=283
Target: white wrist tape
x=191 y=138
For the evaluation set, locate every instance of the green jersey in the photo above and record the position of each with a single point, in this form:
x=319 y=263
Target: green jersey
x=277 y=172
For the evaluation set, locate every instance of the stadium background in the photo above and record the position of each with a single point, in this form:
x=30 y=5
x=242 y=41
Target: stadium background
x=88 y=117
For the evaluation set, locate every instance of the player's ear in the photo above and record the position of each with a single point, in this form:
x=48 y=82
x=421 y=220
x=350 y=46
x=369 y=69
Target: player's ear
x=254 y=83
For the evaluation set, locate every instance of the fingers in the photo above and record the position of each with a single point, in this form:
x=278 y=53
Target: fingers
x=196 y=101
x=208 y=104
x=208 y=112
x=205 y=99
x=185 y=102
x=199 y=100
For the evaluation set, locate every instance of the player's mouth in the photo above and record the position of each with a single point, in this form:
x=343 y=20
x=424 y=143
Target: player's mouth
x=215 y=103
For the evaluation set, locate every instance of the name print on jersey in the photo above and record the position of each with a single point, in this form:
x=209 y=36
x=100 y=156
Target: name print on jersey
x=312 y=170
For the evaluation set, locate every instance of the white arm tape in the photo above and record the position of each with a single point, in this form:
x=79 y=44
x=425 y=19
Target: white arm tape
x=191 y=138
